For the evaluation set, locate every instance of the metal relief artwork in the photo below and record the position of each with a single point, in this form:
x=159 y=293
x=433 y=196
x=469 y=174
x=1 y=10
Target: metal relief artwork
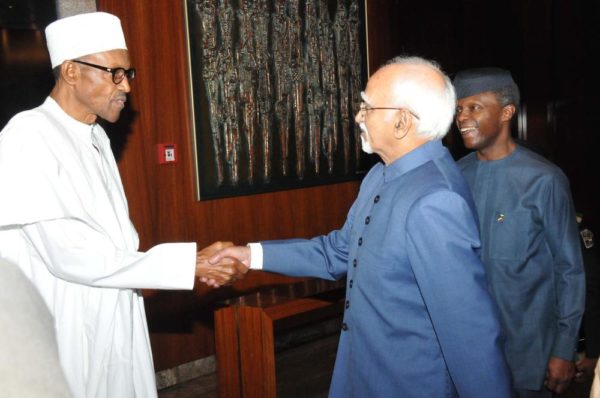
x=314 y=100
x=329 y=86
x=265 y=89
x=340 y=28
x=275 y=85
x=355 y=62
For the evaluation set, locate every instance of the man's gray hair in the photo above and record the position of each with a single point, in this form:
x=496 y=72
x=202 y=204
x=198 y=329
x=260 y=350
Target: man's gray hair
x=434 y=106
x=508 y=95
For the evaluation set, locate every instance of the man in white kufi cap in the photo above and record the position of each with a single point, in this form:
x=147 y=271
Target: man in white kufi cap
x=96 y=32
x=64 y=219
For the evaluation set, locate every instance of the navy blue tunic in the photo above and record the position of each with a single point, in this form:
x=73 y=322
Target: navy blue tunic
x=531 y=252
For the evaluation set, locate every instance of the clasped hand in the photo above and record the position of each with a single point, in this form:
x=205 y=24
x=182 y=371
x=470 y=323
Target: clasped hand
x=223 y=272
x=559 y=374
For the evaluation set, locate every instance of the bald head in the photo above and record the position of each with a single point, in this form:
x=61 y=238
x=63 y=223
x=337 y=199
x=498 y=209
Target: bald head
x=420 y=86
x=406 y=103
x=417 y=73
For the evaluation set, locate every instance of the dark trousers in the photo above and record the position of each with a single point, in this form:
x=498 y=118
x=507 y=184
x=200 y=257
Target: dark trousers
x=533 y=394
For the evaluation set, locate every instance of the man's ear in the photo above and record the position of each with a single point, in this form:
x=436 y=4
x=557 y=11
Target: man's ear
x=508 y=112
x=402 y=124
x=69 y=72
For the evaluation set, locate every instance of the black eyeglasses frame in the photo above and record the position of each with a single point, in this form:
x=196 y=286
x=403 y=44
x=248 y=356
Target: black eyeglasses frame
x=126 y=73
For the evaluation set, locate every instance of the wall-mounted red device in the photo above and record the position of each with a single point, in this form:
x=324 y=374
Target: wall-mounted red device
x=167 y=153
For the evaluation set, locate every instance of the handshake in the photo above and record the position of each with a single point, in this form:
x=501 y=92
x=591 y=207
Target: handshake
x=222 y=263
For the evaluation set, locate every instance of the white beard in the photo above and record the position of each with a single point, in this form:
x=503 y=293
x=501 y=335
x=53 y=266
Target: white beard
x=364 y=139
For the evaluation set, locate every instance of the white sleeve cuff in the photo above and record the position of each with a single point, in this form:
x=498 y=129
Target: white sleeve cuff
x=256 y=255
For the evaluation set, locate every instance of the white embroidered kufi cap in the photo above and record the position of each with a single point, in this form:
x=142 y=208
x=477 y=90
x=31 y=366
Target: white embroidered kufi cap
x=83 y=34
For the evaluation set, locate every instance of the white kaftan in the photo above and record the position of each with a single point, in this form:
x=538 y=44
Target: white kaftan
x=64 y=220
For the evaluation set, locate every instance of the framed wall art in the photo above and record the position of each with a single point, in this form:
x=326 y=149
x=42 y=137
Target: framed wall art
x=275 y=87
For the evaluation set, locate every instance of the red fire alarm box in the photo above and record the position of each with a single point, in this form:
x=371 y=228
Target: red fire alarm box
x=167 y=153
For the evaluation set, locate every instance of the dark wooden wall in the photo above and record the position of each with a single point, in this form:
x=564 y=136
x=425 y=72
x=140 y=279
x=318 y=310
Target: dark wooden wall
x=546 y=44
x=25 y=73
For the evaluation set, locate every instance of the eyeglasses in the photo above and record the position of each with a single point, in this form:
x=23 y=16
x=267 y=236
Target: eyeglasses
x=118 y=74
x=364 y=108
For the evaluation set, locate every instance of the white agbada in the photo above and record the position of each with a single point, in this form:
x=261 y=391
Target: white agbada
x=64 y=220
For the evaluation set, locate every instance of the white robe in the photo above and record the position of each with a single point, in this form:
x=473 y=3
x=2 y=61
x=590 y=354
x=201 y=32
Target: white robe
x=64 y=220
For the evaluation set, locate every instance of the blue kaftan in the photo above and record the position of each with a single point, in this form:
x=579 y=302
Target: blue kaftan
x=531 y=251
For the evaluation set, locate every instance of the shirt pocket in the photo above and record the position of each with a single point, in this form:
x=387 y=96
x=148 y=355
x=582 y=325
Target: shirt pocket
x=509 y=235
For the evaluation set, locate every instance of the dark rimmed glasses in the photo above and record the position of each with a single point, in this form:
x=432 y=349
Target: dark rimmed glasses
x=118 y=74
x=364 y=108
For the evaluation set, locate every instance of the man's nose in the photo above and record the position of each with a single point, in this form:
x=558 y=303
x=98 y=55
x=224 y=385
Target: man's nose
x=462 y=115
x=124 y=85
x=358 y=117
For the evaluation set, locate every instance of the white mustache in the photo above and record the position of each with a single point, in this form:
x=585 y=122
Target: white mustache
x=366 y=146
x=363 y=127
